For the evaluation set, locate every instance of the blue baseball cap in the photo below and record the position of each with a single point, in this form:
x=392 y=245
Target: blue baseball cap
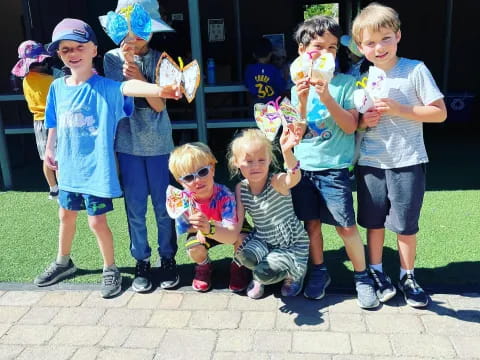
x=71 y=29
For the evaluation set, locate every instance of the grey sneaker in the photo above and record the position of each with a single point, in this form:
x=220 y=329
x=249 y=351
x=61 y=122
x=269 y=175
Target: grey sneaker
x=142 y=283
x=291 y=287
x=317 y=281
x=414 y=295
x=366 y=297
x=55 y=273
x=111 y=283
x=383 y=285
x=255 y=290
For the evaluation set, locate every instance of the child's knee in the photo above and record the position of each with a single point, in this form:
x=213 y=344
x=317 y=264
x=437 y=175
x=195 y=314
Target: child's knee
x=268 y=275
x=247 y=258
x=349 y=232
x=98 y=223
x=197 y=253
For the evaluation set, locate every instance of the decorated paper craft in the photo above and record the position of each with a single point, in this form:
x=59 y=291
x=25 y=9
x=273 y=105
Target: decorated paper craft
x=362 y=100
x=187 y=77
x=289 y=112
x=129 y=22
x=178 y=202
x=316 y=67
x=373 y=87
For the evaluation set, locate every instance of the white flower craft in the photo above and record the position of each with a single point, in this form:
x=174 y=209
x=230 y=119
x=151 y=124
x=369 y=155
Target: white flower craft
x=314 y=66
x=187 y=77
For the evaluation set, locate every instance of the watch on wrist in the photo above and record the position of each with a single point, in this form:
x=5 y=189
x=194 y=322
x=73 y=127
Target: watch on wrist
x=212 y=228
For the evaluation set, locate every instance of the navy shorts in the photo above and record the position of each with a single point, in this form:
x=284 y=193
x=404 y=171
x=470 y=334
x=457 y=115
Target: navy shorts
x=326 y=196
x=93 y=204
x=390 y=198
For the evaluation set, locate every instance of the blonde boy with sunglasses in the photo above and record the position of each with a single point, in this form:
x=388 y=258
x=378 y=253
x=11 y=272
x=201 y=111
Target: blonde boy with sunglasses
x=212 y=218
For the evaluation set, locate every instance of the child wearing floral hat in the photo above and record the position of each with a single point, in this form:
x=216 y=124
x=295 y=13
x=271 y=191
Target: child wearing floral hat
x=34 y=68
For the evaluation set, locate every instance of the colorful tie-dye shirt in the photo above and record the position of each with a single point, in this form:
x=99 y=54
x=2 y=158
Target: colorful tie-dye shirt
x=220 y=207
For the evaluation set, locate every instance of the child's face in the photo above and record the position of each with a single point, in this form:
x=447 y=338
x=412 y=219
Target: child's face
x=380 y=47
x=77 y=55
x=254 y=162
x=138 y=45
x=199 y=181
x=327 y=43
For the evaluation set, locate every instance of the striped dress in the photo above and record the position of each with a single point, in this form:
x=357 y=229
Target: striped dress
x=278 y=234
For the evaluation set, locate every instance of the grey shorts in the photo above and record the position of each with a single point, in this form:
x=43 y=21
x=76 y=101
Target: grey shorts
x=41 y=135
x=390 y=198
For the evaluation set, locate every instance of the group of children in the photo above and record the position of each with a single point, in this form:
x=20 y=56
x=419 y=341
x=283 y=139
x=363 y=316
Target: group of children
x=84 y=112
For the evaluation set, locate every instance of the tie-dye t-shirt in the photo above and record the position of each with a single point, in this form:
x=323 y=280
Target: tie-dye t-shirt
x=220 y=207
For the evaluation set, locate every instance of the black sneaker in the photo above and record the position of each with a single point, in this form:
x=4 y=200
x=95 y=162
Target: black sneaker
x=168 y=273
x=383 y=285
x=141 y=282
x=55 y=273
x=111 y=283
x=317 y=281
x=412 y=292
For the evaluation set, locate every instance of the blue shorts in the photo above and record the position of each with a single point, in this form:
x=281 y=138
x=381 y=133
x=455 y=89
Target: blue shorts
x=76 y=202
x=326 y=196
x=390 y=198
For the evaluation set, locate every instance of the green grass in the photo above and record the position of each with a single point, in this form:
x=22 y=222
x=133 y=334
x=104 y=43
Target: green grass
x=448 y=252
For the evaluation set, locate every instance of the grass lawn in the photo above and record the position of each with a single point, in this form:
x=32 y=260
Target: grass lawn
x=448 y=253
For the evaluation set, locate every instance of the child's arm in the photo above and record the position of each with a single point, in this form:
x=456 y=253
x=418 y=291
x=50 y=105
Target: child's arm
x=137 y=88
x=347 y=120
x=226 y=234
x=435 y=112
x=50 y=149
x=283 y=182
x=302 y=87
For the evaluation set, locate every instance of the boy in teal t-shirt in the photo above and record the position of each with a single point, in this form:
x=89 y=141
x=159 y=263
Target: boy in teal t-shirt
x=325 y=154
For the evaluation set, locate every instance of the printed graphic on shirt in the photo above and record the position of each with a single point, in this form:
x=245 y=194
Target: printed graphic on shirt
x=316 y=121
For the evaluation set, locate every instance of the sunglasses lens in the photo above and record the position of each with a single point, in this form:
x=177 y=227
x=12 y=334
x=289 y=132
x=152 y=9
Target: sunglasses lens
x=203 y=172
x=188 y=178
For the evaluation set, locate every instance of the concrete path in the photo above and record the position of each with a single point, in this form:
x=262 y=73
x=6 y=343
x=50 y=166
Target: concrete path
x=78 y=324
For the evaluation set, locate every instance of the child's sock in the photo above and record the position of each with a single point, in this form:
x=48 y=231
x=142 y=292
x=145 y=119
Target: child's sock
x=63 y=260
x=112 y=267
x=54 y=188
x=403 y=272
x=321 y=266
x=360 y=274
x=377 y=267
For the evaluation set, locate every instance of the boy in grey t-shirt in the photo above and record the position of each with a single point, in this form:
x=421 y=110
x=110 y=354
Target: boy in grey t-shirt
x=391 y=167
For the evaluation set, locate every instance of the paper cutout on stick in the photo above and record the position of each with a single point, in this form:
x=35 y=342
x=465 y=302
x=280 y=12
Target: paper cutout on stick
x=187 y=77
x=131 y=20
x=177 y=202
x=312 y=65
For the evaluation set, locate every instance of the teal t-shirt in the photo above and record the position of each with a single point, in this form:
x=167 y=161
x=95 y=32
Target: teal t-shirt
x=325 y=145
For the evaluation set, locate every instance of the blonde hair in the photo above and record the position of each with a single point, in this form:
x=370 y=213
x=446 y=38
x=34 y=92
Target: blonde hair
x=374 y=17
x=189 y=157
x=244 y=139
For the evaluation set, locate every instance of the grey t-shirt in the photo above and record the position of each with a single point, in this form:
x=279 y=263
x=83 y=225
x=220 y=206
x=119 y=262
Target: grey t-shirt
x=146 y=132
x=397 y=142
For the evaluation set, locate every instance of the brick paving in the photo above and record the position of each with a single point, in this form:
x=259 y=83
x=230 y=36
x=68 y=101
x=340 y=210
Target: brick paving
x=76 y=323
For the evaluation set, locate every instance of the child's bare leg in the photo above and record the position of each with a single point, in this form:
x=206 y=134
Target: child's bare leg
x=407 y=250
x=66 y=231
x=49 y=175
x=198 y=254
x=314 y=230
x=375 y=240
x=353 y=245
x=99 y=226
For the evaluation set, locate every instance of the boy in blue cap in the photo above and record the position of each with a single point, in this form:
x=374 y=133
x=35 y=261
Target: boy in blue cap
x=82 y=113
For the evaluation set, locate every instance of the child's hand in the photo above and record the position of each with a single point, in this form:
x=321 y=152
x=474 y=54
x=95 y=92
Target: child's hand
x=387 y=106
x=50 y=160
x=128 y=49
x=132 y=71
x=321 y=88
x=303 y=87
x=170 y=92
x=371 y=117
x=199 y=221
x=288 y=139
x=201 y=238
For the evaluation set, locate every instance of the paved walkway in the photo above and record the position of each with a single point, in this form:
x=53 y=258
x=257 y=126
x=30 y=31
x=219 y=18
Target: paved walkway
x=78 y=324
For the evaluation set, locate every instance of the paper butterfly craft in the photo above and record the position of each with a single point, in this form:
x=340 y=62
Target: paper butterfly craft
x=270 y=116
x=133 y=19
x=317 y=68
x=373 y=87
x=187 y=77
x=177 y=202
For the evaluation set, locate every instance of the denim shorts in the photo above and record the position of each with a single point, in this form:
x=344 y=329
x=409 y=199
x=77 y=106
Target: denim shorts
x=326 y=196
x=390 y=198
x=76 y=202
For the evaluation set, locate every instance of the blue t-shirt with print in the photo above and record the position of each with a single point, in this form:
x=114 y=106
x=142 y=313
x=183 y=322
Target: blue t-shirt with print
x=325 y=145
x=85 y=117
x=264 y=81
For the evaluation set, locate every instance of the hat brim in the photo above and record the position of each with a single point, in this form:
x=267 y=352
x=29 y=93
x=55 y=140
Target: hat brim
x=53 y=46
x=22 y=66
